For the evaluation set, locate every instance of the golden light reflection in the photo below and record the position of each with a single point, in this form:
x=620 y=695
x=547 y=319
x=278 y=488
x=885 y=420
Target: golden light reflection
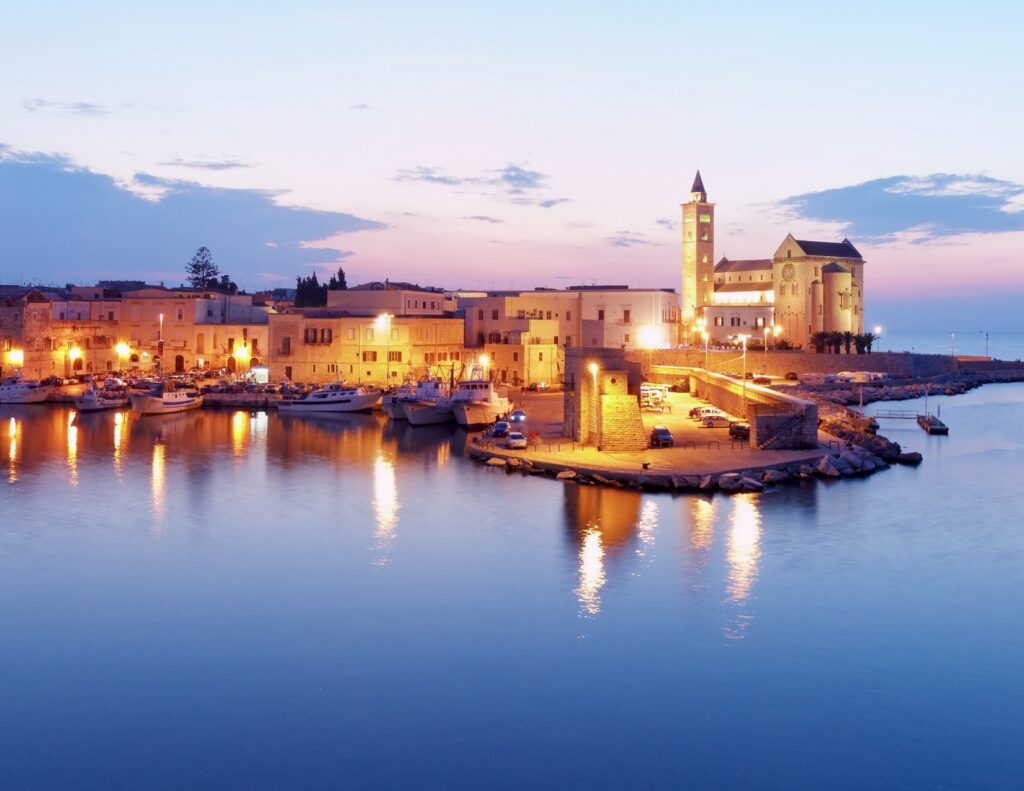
x=239 y=431
x=592 y=576
x=118 y=435
x=73 y=448
x=385 y=505
x=646 y=526
x=744 y=546
x=158 y=484
x=703 y=530
x=12 y=450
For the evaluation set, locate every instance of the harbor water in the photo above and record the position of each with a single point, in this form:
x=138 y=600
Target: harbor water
x=232 y=599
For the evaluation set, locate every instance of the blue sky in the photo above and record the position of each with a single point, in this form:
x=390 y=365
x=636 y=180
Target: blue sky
x=492 y=144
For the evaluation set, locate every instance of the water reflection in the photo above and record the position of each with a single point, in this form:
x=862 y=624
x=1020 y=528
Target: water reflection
x=702 y=531
x=158 y=485
x=385 y=506
x=744 y=546
x=118 y=436
x=12 y=450
x=72 y=443
x=647 y=527
x=239 y=431
x=602 y=522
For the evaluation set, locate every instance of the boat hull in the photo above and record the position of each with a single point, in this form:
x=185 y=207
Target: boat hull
x=24 y=395
x=349 y=403
x=420 y=413
x=156 y=405
x=84 y=404
x=472 y=414
x=393 y=409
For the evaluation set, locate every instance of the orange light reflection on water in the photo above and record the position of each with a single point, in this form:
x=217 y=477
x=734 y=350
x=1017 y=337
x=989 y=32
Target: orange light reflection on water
x=385 y=505
x=12 y=450
x=743 y=551
x=157 y=485
x=591 y=572
x=72 y=448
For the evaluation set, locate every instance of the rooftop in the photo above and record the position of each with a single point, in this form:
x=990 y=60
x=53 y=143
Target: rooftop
x=843 y=249
x=745 y=265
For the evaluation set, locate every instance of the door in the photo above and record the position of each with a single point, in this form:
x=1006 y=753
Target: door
x=231 y=364
x=179 y=364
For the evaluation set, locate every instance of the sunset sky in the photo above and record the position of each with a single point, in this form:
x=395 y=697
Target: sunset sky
x=499 y=145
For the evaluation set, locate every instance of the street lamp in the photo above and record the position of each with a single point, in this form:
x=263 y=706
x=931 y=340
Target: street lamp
x=383 y=321
x=649 y=338
x=985 y=332
x=484 y=362
x=594 y=368
x=241 y=354
x=952 y=344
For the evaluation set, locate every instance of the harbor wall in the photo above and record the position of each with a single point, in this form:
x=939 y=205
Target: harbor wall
x=899 y=365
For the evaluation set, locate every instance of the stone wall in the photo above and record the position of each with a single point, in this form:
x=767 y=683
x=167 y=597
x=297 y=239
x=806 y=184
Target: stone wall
x=777 y=421
x=898 y=365
x=579 y=397
x=622 y=428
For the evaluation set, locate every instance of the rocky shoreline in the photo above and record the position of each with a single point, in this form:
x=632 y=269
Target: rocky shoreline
x=947 y=384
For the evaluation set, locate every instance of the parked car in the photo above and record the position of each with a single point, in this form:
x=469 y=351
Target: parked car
x=762 y=380
x=661 y=437
x=739 y=430
x=749 y=375
x=708 y=411
x=519 y=416
x=500 y=429
x=715 y=421
x=515 y=441
x=791 y=376
x=539 y=387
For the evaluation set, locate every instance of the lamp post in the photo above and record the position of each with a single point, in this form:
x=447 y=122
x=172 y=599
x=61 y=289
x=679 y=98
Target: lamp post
x=241 y=355
x=123 y=350
x=485 y=360
x=384 y=321
x=985 y=332
x=952 y=344
x=878 y=336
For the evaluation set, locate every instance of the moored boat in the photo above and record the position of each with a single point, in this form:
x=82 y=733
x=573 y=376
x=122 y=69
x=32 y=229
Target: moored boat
x=392 y=402
x=336 y=397
x=96 y=398
x=476 y=403
x=17 y=390
x=430 y=405
x=165 y=400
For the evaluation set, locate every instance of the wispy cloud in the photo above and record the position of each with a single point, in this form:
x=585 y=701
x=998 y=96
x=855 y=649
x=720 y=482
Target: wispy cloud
x=64 y=108
x=935 y=206
x=206 y=164
x=667 y=224
x=484 y=218
x=628 y=239
x=360 y=106
x=61 y=217
x=512 y=183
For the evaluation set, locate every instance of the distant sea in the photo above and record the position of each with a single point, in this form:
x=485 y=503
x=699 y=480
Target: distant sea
x=1001 y=345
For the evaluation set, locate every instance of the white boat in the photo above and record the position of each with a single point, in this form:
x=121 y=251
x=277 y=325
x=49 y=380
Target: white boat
x=430 y=406
x=16 y=390
x=163 y=400
x=337 y=397
x=475 y=402
x=392 y=403
x=96 y=398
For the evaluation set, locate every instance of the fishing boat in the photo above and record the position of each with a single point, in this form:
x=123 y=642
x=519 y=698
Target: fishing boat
x=17 y=390
x=475 y=402
x=392 y=402
x=164 y=399
x=336 y=397
x=431 y=405
x=110 y=396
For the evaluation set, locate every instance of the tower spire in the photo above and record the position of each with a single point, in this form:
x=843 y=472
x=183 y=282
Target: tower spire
x=698 y=185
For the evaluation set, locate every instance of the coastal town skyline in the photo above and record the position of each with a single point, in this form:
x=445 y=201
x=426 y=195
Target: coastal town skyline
x=365 y=144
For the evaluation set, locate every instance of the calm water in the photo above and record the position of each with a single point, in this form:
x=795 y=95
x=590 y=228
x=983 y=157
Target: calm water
x=234 y=600
x=1001 y=345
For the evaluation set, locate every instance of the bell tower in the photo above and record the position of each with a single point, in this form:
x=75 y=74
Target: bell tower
x=698 y=253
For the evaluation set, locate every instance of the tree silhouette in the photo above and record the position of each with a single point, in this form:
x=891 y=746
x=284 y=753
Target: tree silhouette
x=202 y=272
x=337 y=282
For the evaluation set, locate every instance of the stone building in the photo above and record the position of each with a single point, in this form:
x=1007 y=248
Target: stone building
x=328 y=344
x=805 y=287
x=601 y=400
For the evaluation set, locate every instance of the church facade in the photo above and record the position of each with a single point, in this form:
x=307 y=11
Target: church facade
x=804 y=288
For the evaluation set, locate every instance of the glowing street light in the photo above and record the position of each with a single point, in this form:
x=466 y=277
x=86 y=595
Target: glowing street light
x=484 y=361
x=16 y=358
x=649 y=338
x=383 y=322
x=123 y=349
x=241 y=354
x=74 y=353
x=878 y=336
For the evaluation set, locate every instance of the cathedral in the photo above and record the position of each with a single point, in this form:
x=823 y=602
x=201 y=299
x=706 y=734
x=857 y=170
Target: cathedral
x=804 y=288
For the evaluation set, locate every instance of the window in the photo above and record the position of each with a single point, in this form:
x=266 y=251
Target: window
x=287 y=371
x=369 y=334
x=326 y=335
x=719 y=321
x=625 y=338
x=135 y=313
x=110 y=315
x=704 y=259
x=428 y=358
x=515 y=357
x=568 y=341
x=540 y=357
x=600 y=314
x=789 y=254
x=286 y=347
x=256 y=345
x=706 y=217
x=181 y=314
x=568 y=315
x=442 y=357
x=350 y=333
x=332 y=368
x=626 y=316
x=394 y=357
x=456 y=355
x=394 y=334
x=759 y=322
x=704 y=236
x=480 y=314
x=369 y=357
x=494 y=315
x=555 y=340
x=549 y=315
x=231 y=345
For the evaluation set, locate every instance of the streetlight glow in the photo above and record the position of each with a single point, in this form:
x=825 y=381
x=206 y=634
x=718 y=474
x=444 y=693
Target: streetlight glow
x=74 y=353
x=122 y=349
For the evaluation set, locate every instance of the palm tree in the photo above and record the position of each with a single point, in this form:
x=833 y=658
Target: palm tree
x=869 y=340
x=847 y=340
x=818 y=341
x=858 y=342
x=835 y=341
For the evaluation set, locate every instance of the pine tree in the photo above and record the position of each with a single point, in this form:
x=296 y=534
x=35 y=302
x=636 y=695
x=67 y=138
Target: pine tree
x=337 y=282
x=202 y=272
